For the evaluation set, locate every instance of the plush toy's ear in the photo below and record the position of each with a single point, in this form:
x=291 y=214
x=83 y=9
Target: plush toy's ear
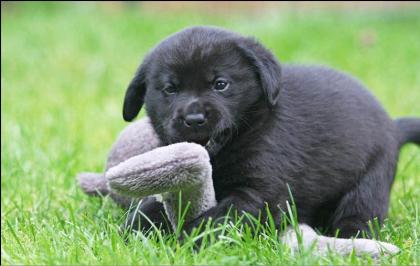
x=134 y=96
x=266 y=66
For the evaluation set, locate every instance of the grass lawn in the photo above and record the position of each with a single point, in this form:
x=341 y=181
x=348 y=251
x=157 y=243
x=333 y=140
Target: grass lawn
x=64 y=70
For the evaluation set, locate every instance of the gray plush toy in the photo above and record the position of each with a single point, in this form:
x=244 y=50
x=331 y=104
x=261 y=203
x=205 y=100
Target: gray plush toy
x=139 y=166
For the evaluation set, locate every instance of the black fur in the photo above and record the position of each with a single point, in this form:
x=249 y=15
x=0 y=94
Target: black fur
x=409 y=130
x=312 y=128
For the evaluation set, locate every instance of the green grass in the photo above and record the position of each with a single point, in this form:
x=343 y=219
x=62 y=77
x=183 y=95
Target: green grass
x=64 y=70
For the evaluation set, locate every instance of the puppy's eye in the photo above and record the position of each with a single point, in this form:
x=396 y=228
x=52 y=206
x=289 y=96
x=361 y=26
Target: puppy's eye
x=221 y=85
x=170 y=89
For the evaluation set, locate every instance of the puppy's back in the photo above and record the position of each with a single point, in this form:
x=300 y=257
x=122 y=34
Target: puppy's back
x=336 y=116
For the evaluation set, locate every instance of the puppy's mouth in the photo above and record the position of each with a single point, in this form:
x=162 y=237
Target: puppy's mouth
x=213 y=144
x=217 y=142
x=202 y=141
x=212 y=140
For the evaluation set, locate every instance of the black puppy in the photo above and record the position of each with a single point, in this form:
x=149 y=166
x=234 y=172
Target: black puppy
x=269 y=127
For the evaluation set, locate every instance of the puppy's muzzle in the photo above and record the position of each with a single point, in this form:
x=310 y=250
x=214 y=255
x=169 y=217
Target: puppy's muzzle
x=195 y=115
x=195 y=120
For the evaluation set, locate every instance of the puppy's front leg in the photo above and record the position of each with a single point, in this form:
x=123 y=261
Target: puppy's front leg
x=151 y=213
x=239 y=201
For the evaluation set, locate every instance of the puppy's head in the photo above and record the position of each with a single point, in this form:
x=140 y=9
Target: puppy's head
x=198 y=84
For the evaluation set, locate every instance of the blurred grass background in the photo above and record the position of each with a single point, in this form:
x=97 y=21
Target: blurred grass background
x=64 y=70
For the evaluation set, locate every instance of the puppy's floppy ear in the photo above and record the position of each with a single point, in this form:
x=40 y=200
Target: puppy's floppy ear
x=134 y=96
x=267 y=67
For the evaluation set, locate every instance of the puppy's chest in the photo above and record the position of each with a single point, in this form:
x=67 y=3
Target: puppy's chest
x=235 y=166
x=227 y=175
x=251 y=162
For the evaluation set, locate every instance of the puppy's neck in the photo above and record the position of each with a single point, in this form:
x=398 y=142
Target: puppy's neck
x=256 y=116
x=253 y=119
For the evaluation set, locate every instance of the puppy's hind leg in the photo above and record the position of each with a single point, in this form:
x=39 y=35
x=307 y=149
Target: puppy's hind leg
x=367 y=201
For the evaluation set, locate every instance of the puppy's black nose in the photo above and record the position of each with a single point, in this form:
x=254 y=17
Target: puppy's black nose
x=195 y=120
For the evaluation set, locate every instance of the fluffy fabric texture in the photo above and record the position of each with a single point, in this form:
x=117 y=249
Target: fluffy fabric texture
x=182 y=167
x=343 y=246
x=138 y=167
x=137 y=138
x=93 y=183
